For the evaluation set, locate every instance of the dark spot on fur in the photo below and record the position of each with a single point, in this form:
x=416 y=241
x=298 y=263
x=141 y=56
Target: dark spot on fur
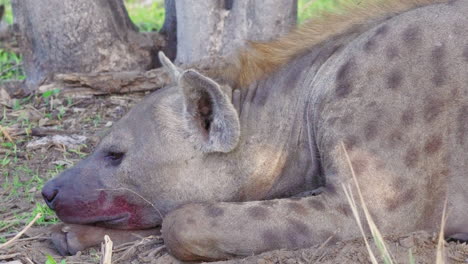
x=455 y=92
x=271 y=240
x=258 y=212
x=332 y=121
x=371 y=130
x=412 y=36
x=329 y=144
x=344 y=79
x=260 y=96
x=213 y=224
x=331 y=189
x=370 y=44
x=399 y=183
x=432 y=108
x=394 y=80
x=440 y=72
x=382 y=30
x=395 y=138
x=213 y=211
x=392 y=52
x=379 y=164
x=297 y=233
x=297 y=208
x=298 y=227
x=465 y=53
x=462 y=121
x=347 y=119
x=402 y=198
x=359 y=165
x=433 y=144
x=372 y=104
x=350 y=142
x=191 y=221
x=407 y=117
x=411 y=157
x=407 y=196
x=315 y=204
x=344 y=209
x=292 y=76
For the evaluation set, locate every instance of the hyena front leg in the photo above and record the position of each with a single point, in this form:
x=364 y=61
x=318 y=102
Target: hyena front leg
x=68 y=239
x=220 y=231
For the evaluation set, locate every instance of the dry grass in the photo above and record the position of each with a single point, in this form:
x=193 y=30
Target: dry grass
x=376 y=235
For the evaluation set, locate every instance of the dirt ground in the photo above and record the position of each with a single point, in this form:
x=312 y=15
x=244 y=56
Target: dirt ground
x=31 y=153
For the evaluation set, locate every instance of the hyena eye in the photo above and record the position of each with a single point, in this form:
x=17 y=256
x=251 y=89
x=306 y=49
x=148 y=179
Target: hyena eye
x=115 y=158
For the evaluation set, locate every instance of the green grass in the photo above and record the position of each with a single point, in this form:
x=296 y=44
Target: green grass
x=8 y=17
x=51 y=260
x=146 y=17
x=10 y=66
x=308 y=8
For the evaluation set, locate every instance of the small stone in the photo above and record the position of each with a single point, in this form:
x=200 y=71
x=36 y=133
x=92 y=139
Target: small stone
x=407 y=242
x=43 y=121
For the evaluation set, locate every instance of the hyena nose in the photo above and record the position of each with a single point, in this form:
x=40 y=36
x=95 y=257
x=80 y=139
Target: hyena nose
x=49 y=192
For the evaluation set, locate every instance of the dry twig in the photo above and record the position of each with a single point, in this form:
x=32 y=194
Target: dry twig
x=10 y=242
x=9 y=256
x=106 y=249
x=6 y=134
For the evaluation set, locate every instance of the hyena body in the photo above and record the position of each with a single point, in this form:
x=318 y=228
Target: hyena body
x=234 y=179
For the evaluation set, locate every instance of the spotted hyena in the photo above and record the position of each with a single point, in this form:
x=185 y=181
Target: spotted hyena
x=245 y=157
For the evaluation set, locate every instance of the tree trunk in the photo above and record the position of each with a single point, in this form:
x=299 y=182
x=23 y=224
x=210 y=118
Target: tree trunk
x=63 y=36
x=92 y=36
x=216 y=27
x=169 y=29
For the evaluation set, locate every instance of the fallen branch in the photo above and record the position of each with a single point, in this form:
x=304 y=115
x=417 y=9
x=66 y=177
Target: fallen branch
x=9 y=256
x=42 y=132
x=75 y=84
x=9 y=242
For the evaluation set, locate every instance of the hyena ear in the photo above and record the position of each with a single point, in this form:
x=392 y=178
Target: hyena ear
x=173 y=70
x=211 y=115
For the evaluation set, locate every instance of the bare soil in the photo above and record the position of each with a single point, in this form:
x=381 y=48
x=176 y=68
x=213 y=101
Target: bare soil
x=22 y=177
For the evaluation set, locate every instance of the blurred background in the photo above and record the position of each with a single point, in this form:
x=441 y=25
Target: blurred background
x=147 y=15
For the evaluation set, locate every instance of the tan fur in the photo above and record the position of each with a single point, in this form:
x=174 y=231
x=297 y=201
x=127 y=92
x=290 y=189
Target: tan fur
x=260 y=59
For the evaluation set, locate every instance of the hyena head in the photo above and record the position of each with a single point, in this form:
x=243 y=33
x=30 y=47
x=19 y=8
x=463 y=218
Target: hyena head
x=175 y=147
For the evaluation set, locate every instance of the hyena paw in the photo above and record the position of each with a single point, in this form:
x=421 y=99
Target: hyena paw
x=69 y=239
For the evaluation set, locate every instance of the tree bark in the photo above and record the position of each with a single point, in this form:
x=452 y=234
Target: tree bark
x=62 y=36
x=218 y=27
x=169 y=29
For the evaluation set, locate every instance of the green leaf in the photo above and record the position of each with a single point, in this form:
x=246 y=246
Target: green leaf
x=50 y=260
x=50 y=93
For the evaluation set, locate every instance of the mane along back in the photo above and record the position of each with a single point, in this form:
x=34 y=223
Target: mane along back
x=261 y=58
